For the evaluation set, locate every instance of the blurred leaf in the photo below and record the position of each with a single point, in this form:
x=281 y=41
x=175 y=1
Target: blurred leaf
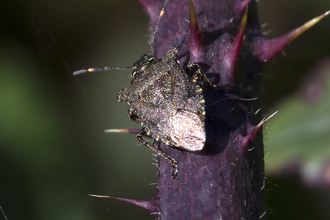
x=299 y=135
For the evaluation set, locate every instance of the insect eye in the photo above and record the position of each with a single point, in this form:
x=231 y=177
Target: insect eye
x=134 y=73
x=151 y=59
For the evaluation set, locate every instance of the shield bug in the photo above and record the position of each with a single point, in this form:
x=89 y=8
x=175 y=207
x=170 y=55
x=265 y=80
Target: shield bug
x=165 y=100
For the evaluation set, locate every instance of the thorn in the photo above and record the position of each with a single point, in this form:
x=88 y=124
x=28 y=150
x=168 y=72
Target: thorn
x=3 y=213
x=252 y=134
x=295 y=33
x=193 y=17
x=149 y=205
x=102 y=196
x=235 y=48
x=195 y=42
x=268 y=49
x=240 y=7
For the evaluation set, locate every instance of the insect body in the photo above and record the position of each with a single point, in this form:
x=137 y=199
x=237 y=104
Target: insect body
x=167 y=103
x=165 y=100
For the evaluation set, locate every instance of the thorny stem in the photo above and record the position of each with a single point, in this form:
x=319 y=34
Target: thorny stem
x=226 y=179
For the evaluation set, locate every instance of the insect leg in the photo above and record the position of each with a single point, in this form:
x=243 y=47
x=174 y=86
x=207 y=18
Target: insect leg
x=159 y=153
x=200 y=76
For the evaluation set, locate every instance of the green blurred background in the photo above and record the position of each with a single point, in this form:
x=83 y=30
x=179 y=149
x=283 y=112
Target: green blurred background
x=53 y=151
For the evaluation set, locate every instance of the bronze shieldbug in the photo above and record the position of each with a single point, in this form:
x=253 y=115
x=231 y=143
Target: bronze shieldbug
x=167 y=103
x=165 y=100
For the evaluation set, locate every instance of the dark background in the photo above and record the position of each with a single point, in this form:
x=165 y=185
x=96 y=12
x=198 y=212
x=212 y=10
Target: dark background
x=53 y=151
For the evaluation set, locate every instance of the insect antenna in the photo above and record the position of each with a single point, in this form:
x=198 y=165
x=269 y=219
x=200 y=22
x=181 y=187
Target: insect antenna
x=106 y=68
x=97 y=69
x=161 y=14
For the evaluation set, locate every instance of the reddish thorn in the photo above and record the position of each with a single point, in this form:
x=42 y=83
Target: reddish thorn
x=234 y=49
x=268 y=49
x=150 y=205
x=240 y=7
x=252 y=134
x=195 y=42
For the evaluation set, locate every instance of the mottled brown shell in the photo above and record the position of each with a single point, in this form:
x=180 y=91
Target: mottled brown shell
x=166 y=102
